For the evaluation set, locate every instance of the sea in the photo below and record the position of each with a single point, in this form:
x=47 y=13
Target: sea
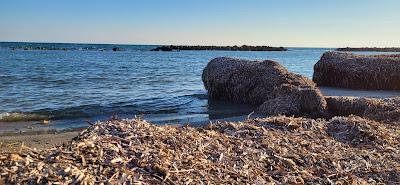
x=74 y=85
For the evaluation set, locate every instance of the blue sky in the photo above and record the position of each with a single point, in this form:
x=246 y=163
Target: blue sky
x=309 y=23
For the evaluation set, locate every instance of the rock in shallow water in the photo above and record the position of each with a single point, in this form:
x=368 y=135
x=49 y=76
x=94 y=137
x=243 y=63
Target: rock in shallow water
x=266 y=84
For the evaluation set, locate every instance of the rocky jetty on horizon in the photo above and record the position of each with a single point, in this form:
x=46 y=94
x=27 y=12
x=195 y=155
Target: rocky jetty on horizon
x=49 y=47
x=222 y=48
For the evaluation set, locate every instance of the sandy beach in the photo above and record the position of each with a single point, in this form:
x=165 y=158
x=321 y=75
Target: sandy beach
x=13 y=143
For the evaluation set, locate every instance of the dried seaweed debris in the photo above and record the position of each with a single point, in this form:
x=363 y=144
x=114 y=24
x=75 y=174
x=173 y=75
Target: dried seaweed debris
x=272 y=150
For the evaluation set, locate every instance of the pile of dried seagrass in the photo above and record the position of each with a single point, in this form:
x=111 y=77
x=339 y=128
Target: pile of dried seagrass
x=276 y=149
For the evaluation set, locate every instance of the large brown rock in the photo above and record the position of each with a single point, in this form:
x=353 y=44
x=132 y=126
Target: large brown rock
x=266 y=84
x=338 y=69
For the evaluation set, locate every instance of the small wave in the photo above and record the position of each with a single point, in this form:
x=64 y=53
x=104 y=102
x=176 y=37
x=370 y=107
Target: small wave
x=144 y=106
x=15 y=116
x=119 y=108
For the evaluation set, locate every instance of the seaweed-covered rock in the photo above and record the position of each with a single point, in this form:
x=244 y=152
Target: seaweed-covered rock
x=338 y=69
x=266 y=84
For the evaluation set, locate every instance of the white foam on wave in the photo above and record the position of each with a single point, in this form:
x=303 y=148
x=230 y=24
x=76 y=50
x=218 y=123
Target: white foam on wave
x=15 y=116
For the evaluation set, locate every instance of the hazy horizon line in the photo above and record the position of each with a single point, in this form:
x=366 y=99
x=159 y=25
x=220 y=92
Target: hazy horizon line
x=153 y=44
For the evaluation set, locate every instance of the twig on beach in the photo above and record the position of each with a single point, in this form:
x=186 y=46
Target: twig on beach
x=180 y=171
x=89 y=122
x=248 y=116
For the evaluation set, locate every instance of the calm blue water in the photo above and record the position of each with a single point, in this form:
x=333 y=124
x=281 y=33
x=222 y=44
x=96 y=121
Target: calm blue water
x=82 y=84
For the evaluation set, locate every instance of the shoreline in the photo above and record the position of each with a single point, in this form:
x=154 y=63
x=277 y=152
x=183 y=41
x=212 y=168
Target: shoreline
x=39 y=141
x=336 y=91
x=347 y=128
x=45 y=139
x=30 y=128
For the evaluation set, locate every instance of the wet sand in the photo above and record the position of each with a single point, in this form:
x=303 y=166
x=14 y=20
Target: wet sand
x=44 y=140
x=39 y=141
x=333 y=91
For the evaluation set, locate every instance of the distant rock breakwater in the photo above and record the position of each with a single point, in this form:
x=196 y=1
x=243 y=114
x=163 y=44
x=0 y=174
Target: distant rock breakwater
x=222 y=48
x=28 y=48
